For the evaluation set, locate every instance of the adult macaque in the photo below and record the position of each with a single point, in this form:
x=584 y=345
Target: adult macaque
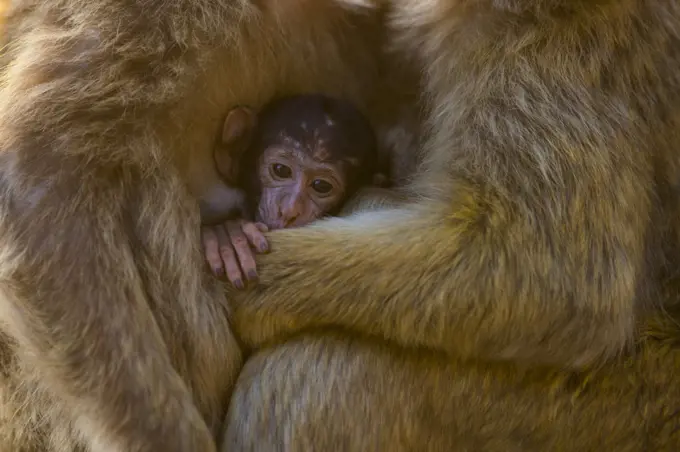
x=299 y=159
x=500 y=309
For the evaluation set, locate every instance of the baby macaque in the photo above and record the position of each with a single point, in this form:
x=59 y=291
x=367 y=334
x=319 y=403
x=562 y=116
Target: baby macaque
x=298 y=160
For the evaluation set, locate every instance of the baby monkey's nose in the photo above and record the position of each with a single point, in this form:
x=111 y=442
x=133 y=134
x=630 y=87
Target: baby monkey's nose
x=292 y=211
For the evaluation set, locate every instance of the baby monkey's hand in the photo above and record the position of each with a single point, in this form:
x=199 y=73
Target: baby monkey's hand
x=229 y=249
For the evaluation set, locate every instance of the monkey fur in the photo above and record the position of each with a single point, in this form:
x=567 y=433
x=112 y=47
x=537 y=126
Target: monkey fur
x=526 y=297
x=116 y=337
x=522 y=297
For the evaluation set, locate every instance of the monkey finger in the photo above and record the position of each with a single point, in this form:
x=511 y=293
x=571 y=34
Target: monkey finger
x=229 y=258
x=255 y=236
x=262 y=227
x=211 y=247
x=241 y=246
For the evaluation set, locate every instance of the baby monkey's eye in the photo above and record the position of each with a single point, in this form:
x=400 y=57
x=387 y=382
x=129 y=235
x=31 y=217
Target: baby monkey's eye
x=282 y=171
x=321 y=186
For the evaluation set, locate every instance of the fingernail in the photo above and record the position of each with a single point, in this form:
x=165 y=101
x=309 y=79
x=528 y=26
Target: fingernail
x=264 y=247
x=252 y=274
x=219 y=271
x=239 y=284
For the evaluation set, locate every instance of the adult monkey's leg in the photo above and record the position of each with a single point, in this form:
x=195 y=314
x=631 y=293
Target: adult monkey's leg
x=332 y=393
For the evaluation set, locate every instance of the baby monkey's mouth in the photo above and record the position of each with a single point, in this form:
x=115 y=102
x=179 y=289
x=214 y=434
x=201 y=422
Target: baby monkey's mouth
x=272 y=224
x=280 y=223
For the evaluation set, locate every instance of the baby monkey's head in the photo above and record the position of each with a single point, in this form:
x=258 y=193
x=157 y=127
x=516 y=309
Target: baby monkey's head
x=307 y=155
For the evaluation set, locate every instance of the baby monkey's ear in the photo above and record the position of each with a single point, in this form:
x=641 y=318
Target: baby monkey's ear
x=238 y=126
x=235 y=139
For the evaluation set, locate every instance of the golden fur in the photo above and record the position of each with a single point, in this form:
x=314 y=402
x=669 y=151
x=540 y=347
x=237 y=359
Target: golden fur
x=519 y=295
x=525 y=299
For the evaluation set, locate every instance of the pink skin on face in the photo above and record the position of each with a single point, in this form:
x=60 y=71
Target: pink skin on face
x=293 y=208
x=297 y=188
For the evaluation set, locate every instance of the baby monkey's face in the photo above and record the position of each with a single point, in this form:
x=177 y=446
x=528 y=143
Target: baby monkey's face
x=297 y=188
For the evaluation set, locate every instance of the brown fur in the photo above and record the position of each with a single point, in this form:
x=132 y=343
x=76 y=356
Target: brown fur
x=116 y=337
x=4 y=7
x=502 y=308
x=534 y=246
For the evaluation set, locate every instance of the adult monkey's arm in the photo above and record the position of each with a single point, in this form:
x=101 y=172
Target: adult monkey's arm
x=531 y=238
